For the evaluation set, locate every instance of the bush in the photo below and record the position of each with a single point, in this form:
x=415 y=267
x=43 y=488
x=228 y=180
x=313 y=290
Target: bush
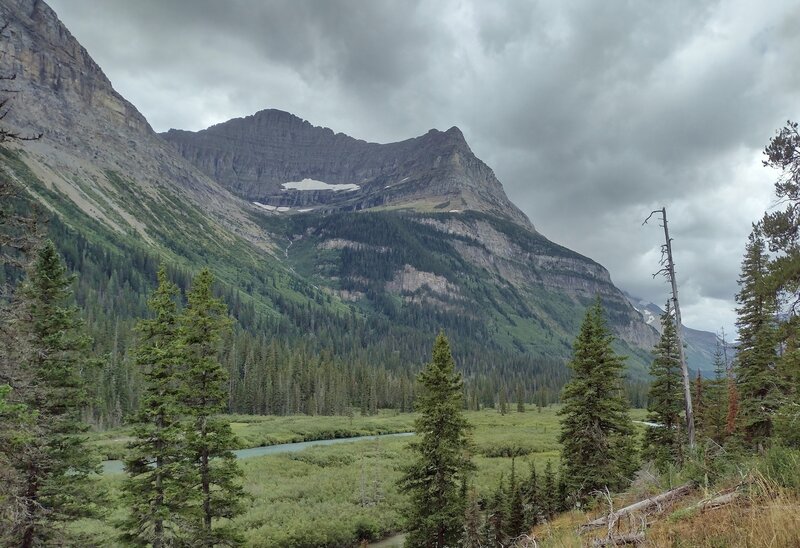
x=782 y=466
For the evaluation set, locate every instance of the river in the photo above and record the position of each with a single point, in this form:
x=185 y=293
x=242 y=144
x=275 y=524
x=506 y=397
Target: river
x=115 y=466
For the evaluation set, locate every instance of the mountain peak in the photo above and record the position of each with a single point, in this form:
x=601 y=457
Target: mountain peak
x=265 y=156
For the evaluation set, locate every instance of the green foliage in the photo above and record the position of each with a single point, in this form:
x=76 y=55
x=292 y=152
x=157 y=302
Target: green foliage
x=436 y=510
x=53 y=466
x=532 y=500
x=496 y=517
x=516 y=507
x=596 y=431
x=209 y=438
x=157 y=487
x=782 y=466
x=756 y=376
x=716 y=396
x=664 y=443
x=473 y=522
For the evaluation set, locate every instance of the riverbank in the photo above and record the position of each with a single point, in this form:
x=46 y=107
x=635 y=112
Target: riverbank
x=116 y=466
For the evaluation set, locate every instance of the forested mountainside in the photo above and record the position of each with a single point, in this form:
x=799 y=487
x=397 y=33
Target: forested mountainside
x=323 y=299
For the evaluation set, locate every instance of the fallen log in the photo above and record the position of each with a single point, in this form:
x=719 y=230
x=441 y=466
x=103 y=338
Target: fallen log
x=637 y=539
x=717 y=502
x=640 y=506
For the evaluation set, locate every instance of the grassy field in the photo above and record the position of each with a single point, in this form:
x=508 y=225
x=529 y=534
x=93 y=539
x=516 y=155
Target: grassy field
x=257 y=431
x=337 y=495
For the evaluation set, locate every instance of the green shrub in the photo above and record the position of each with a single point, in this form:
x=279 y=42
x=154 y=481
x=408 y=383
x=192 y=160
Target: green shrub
x=782 y=466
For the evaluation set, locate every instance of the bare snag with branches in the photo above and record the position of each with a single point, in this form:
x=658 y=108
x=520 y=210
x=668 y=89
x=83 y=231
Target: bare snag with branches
x=668 y=270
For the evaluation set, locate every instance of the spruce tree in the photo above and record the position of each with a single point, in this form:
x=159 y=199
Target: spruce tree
x=17 y=423
x=57 y=466
x=473 y=523
x=516 y=508
x=717 y=399
x=159 y=484
x=550 y=502
x=496 y=516
x=596 y=431
x=756 y=376
x=503 y=402
x=781 y=229
x=663 y=443
x=520 y=399
x=532 y=499
x=436 y=510
x=209 y=438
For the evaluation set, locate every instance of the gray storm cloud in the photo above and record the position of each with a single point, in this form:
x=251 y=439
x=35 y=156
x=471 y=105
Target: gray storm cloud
x=591 y=113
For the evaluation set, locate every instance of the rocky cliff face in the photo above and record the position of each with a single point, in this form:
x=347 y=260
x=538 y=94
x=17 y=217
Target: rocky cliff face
x=89 y=130
x=256 y=155
x=464 y=249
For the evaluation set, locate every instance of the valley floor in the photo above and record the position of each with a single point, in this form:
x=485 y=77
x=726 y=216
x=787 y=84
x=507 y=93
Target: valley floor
x=339 y=495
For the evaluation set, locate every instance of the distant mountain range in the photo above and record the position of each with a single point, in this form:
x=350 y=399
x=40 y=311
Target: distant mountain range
x=700 y=345
x=312 y=229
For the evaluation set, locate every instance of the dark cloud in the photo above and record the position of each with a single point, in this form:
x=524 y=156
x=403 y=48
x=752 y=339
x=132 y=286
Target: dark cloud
x=591 y=113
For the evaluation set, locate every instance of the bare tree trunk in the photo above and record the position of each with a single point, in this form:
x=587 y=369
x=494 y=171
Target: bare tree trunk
x=669 y=270
x=640 y=506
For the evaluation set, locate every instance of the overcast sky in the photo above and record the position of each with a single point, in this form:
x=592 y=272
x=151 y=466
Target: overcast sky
x=592 y=113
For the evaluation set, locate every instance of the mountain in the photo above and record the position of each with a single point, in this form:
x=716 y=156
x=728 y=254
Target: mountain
x=397 y=241
x=260 y=157
x=452 y=224
x=96 y=149
x=700 y=345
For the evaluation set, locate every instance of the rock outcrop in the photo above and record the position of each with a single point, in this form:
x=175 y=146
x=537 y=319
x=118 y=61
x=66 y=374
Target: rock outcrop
x=256 y=155
x=89 y=130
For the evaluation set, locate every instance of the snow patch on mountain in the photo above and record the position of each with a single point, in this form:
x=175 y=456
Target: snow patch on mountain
x=313 y=184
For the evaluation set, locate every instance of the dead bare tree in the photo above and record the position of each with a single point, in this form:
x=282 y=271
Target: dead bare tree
x=668 y=270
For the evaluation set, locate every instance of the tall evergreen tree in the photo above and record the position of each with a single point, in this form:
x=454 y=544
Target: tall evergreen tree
x=550 y=502
x=436 y=512
x=209 y=437
x=157 y=489
x=56 y=465
x=520 y=399
x=473 y=523
x=663 y=443
x=756 y=376
x=516 y=509
x=717 y=399
x=781 y=229
x=496 y=518
x=596 y=431
x=532 y=499
x=17 y=432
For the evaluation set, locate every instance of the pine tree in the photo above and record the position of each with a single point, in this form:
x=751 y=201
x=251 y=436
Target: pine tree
x=550 y=502
x=503 y=402
x=663 y=443
x=520 y=399
x=699 y=402
x=473 y=523
x=717 y=399
x=57 y=466
x=436 y=512
x=532 y=499
x=159 y=484
x=17 y=424
x=756 y=376
x=596 y=431
x=516 y=509
x=209 y=437
x=496 y=515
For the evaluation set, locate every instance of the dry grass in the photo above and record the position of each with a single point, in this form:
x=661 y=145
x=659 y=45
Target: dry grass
x=753 y=522
x=764 y=516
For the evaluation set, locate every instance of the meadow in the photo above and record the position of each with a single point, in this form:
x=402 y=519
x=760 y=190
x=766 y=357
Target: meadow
x=344 y=494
